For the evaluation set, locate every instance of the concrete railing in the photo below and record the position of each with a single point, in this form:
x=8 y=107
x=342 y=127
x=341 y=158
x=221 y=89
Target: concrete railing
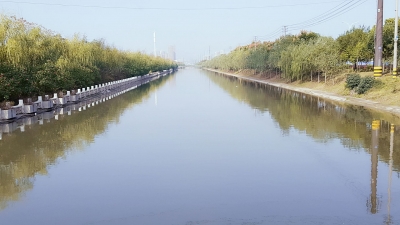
x=72 y=96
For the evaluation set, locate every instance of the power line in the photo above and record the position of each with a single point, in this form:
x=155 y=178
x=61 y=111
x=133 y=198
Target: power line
x=327 y=13
x=286 y=28
x=328 y=16
x=166 y=8
x=273 y=34
x=326 y=19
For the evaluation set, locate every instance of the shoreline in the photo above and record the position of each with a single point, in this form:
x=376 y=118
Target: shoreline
x=349 y=100
x=97 y=94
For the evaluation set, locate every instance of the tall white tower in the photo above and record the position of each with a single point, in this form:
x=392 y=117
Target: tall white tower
x=155 y=53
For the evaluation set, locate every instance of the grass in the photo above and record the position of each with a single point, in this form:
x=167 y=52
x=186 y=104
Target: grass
x=386 y=89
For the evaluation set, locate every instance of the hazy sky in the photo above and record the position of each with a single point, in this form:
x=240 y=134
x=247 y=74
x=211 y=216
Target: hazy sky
x=193 y=26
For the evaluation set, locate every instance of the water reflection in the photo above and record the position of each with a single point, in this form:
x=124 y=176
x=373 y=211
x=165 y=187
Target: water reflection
x=373 y=202
x=321 y=119
x=200 y=157
x=389 y=218
x=29 y=146
x=357 y=128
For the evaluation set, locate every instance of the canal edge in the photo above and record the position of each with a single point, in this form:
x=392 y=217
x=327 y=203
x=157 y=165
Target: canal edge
x=349 y=100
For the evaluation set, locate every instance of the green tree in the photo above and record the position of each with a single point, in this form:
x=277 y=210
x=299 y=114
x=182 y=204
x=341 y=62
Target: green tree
x=353 y=46
x=388 y=40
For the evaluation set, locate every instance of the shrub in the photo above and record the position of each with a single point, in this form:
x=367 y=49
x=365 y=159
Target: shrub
x=366 y=83
x=352 y=81
x=14 y=83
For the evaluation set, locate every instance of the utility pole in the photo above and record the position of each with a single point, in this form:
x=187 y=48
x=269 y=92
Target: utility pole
x=284 y=30
x=388 y=221
x=373 y=201
x=378 y=69
x=396 y=31
x=255 y=42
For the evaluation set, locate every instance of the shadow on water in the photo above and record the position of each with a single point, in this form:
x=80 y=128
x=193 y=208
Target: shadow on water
x=23 y=155
x=357 y=128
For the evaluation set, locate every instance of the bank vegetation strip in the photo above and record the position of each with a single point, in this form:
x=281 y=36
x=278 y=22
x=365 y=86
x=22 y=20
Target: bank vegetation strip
x=36 y=61
x=333 y=68
x=318 y=93
x=309 y=56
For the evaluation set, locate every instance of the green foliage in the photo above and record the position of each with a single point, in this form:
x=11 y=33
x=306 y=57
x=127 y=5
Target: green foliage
x=14 y=82
x=296 y=57
x=354 y=45
x=366 y=83
x=35 y=61
x=352 y=81
x=361 y=84
x=307 y=36
x=388 y=38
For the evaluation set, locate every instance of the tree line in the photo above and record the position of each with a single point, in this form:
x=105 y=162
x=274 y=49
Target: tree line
x=308 y=55
x=35 y=61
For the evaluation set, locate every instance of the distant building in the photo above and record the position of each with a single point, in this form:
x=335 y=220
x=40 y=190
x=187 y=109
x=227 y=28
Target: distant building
x=171 y=53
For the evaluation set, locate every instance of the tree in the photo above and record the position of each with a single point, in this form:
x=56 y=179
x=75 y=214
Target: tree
x=353 y=46
x=328 y=56
x=388 y=39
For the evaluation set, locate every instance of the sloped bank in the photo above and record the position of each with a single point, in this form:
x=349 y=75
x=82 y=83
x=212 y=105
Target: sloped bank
x=394 y=110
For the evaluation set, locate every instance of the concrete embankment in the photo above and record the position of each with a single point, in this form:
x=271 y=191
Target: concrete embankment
x=74 y=100
x=395 y=110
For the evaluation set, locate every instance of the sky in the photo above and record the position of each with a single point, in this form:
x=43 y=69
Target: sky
x=194 y=28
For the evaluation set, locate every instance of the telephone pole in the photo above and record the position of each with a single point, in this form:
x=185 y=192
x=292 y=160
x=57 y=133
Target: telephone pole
x=396 y=31
x=378 y=69
x=284 y=30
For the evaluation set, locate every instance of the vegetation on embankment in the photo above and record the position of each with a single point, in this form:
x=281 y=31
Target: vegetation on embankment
x=314 y=61
x=35 y=61
x=385 y=90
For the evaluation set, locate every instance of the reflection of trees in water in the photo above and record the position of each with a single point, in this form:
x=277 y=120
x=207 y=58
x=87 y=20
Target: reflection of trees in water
x=320 y=119
x=26 y=154
x=357 y=128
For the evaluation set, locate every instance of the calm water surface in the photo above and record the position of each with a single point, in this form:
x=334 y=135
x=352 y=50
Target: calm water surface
x=199 y=148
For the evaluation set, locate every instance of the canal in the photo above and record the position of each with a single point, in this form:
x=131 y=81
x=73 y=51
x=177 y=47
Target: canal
x=200 y=148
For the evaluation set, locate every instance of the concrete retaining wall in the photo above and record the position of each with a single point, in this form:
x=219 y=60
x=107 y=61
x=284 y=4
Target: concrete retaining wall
x=47 y=107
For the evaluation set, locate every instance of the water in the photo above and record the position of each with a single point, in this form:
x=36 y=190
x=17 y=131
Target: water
x=199 y=148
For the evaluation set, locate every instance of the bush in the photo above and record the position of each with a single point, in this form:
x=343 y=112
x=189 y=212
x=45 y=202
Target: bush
x=352 y=81
x=14 y=83
x=366 y=83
